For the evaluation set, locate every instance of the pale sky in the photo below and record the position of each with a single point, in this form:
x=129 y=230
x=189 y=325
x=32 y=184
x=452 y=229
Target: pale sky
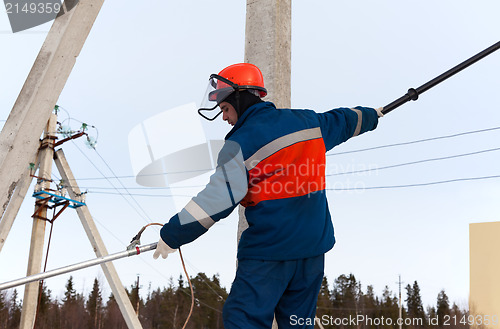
x=142 y=58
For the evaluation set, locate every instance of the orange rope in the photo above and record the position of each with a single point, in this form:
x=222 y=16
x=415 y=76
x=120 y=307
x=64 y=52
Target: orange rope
x=187 y=276
x=192 y=292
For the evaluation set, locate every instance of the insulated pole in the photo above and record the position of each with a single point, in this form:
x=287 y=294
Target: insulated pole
x=78 y=266
x=412 y=94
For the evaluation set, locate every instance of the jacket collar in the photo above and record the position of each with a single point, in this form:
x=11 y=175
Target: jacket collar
x=251 y=111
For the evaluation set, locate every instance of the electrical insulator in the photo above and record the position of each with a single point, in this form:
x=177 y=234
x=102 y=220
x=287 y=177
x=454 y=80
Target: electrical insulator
x=37 y=188
x=81 y=198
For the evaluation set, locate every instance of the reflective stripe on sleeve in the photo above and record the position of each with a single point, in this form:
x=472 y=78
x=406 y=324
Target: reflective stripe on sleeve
x=282 y=142
x=360 y=121
x=199 y=214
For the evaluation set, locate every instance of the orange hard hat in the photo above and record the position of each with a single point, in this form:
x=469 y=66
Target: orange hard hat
x=244 y=75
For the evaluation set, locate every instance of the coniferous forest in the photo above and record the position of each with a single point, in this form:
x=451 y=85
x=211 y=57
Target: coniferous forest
x=344 y=303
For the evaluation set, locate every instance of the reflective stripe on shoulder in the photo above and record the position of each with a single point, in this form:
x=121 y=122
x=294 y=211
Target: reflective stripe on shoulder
x=280 y=143
x=360 y=121
x=199 y=214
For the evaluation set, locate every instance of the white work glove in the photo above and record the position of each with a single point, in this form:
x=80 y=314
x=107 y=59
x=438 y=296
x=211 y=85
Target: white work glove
x=163 y=249
x=379 y=112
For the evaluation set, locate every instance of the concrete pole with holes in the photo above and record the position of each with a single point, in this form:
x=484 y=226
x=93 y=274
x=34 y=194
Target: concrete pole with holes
x=268 y=39
x=31 y=290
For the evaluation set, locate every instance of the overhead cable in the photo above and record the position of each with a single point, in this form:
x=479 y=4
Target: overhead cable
x=415 y=162
x=330 y=154
x=128 y=193
x=143 y=216
x=416 y=141
x=146 y=175
x=334 y=174
x=341 y=189
x=413 y=185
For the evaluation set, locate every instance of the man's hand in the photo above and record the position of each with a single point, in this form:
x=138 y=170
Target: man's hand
x=162 y=249
x=379 y=112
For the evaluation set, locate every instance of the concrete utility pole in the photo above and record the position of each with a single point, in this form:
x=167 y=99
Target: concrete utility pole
x=21 y=133
x=31 y=290
x=95 y=239
x=400 y=304
x=268 y=39
x=19 y=144
x=15 y=203
x=31 y=293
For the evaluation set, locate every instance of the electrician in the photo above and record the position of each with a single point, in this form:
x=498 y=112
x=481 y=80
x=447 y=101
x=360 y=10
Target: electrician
x=273 y=163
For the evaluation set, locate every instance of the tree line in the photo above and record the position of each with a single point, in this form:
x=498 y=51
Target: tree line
x=348 y=306
x=343 y=305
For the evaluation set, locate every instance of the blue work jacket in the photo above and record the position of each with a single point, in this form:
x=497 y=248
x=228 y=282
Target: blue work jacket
x=273 y=163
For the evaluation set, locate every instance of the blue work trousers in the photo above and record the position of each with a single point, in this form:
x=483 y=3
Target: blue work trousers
x=263 y=289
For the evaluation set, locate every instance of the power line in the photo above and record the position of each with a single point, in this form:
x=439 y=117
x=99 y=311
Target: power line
x=128 y=201
x=126 y=189
x=147 y=175
x=209 y=286
x=414 y=185
x=335 y=174
x=139 y=188
x=331 y=154
x=417 y=141
x=109 y=231
x=342 y=173
x=128 y=193
x=346 y=189
x=146 y=195
x=416 y=162
x=55 y=177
